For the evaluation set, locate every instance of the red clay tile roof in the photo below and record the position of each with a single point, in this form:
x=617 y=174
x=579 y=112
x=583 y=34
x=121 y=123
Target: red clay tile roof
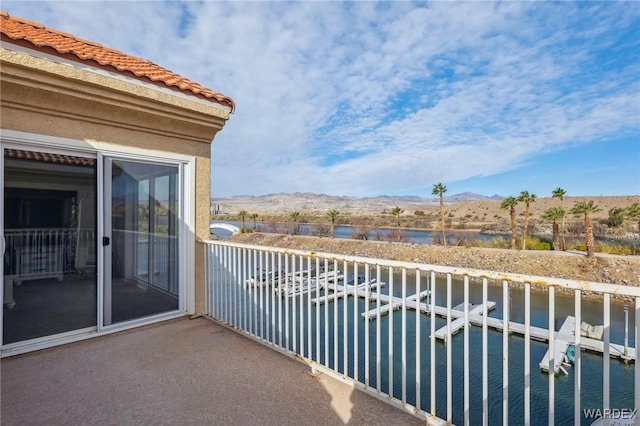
x=48 y=158
x=36 y=36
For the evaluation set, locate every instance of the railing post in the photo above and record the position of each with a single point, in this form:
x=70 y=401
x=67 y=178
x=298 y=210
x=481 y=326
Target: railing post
x=626 y=331
x=577 y=366
x=506 y=314
x=527 y=354
x=606 y=340
x=466 y=350
x=552 y=338
x=449 y=355
x=390 y=345
x=485 y=355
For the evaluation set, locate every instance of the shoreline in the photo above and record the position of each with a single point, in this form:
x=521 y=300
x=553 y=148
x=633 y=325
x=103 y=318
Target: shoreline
x=628 y=238
x=612 y=269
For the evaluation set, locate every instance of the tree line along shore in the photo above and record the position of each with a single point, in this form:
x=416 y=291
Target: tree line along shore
x=564 y=223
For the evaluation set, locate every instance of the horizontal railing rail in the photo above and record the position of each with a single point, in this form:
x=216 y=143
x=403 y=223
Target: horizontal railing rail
x=37 y=252
x=390 y=328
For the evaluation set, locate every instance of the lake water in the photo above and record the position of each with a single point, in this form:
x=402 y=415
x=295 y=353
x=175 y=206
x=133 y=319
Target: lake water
x=346 y=232
x=621 y=375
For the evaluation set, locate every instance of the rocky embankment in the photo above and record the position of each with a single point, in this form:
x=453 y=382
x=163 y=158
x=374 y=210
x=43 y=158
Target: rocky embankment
x=570 y=265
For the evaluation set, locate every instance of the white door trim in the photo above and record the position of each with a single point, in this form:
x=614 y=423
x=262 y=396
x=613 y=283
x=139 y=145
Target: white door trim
x=100 y=150
x=2 y=242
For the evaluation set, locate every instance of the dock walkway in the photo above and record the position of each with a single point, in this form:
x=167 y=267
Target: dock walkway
x=560 y=345
x=458 y=323
x=476 y=317
x=566 y=336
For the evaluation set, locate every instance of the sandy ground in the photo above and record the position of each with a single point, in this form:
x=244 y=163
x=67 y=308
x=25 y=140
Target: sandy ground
x=570 y=265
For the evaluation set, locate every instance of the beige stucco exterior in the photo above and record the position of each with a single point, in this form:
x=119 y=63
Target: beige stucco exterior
x=41 y=95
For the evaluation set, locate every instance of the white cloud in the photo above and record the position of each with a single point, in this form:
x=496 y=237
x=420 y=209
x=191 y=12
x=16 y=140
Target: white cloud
x=364 y=98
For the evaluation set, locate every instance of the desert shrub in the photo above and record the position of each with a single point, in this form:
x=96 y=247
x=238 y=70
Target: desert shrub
x=579 y=246
x=600 y=230
x=576 y=228
x=499 y=242
x=496 y=228
x=436 y=239
x=419 y=213
x=538 y=244
x=360 y=233
x=321 y=230
x=613 y=248
x=460 y=241
x=361 y=230
x=397 y=236
x=378 y=235
x=616 y=217
x=271 y=227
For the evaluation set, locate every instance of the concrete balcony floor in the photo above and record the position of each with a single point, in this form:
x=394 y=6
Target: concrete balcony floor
x=179 y=372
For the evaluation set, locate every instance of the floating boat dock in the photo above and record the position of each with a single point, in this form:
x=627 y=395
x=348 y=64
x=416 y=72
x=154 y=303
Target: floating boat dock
x=563 y=338
x=560 y=346
x=458 y=323
x=346 y=290
x=566 y=337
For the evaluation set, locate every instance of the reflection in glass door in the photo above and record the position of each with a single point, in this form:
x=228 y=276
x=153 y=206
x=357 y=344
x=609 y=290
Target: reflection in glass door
x=141 y=235
x=49 y=261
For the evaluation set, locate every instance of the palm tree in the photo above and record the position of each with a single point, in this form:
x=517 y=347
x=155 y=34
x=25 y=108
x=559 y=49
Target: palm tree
x=559 y=193
x=554 y=214
x=510 y=203
x=397 y=211
x=295 y=216
x=439 y=189
x=527 y=199
x=243 y=215
x=254 y=218
x=587 y=208
x=633 y=212
x=332 y=215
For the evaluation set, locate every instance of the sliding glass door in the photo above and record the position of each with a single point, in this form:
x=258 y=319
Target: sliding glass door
x=49 y=264
x=141 y=236
x=89 y=241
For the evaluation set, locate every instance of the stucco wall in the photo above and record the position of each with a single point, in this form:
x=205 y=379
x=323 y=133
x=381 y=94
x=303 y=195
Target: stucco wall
x=45 y=98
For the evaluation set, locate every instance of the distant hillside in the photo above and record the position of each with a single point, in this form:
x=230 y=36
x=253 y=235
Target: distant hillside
x=487 y=210
x=311 y=202
x=473 y=207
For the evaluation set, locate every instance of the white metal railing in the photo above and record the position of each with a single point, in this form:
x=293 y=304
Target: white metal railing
x=48 y=252
x=408 y=355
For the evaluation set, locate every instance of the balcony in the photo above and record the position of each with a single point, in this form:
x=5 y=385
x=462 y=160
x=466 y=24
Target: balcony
x=443 y=344
x=179 y=372
x=484 y=356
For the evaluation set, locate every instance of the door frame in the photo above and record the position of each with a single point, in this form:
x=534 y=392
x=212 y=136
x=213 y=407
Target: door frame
x=186 y=228
x=104 y=252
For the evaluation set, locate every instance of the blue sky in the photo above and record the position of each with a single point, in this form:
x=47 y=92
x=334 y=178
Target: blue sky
x=368 y=98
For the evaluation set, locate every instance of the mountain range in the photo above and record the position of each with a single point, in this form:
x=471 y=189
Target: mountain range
x=308 y=201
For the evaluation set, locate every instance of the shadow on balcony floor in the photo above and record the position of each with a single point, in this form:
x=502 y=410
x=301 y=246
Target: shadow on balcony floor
x=181 y=372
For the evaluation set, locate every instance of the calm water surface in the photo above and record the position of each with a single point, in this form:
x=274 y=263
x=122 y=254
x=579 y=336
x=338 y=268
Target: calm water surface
x=272 y=312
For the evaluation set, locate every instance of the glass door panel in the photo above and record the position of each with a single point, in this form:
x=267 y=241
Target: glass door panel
x=49 y=262
x=142 y=217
